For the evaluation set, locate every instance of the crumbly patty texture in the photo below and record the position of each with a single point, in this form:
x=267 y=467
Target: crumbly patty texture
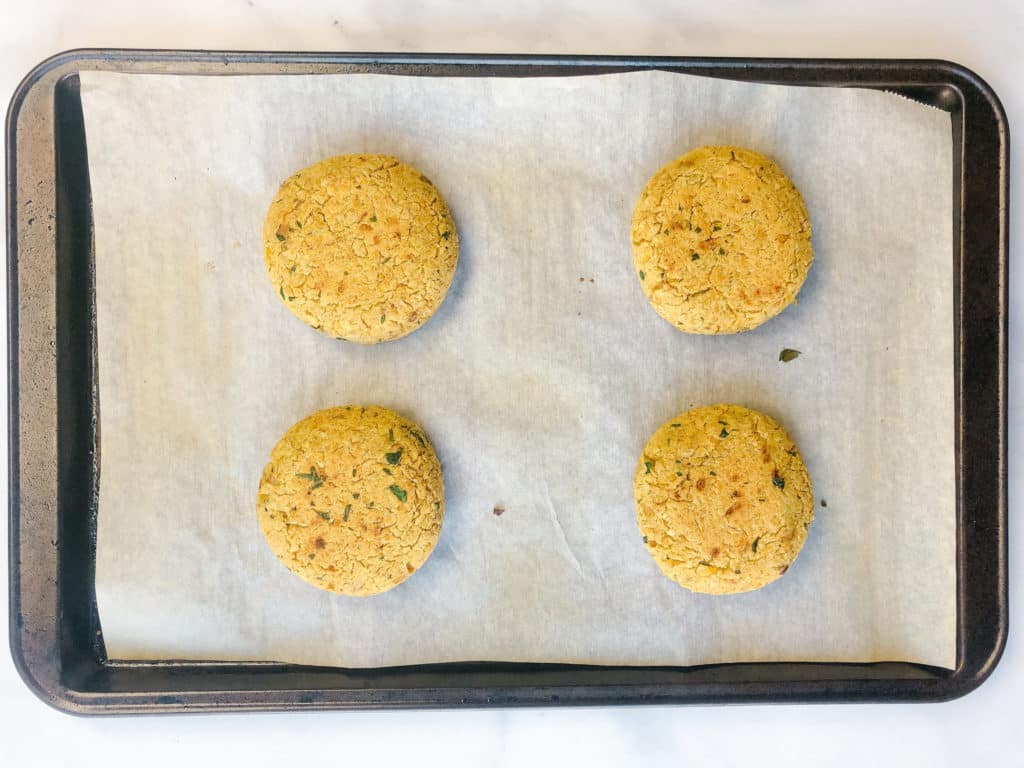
x=723 y=499
x=721 y=240
x=361 y=247
x=352 y=499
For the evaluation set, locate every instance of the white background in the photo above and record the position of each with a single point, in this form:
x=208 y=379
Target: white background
x=985 y=35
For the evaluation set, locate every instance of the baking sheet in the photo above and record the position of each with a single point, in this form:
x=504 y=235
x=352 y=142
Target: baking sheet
x=538 y=388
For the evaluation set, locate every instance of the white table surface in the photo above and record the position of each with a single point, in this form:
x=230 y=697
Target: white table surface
x=985 y=35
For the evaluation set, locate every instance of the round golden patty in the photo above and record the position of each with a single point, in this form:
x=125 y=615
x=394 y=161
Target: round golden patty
x=361 y=247
x=352 y=499
x=721 y=240
x=723 y=499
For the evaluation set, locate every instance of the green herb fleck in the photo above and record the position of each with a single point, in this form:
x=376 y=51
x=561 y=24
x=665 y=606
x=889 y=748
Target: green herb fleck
x=649 y=465
x=281 y=291
x=387 y=471
x=778 y=481
x=721 y=251
x=400 y=494
x=325 y=515
x=446 y=234
x=723 y=433
x=298 y=224
x=353 y=472
x=382 y=319
x=665 y=232
x=642 y=275
x=373 y=218
x=676 y=425
x=705 y=562
x=715 y=228
x=679 y=474
x=370 y=505
x=391 y=435
x=418 y=436
x=280 y=237
x=313 y=476
x=696 y=229
x=753 y=546
x=292 y=268
x=694 y=256
x=788 y=354
x=344 y=517
x=723 y=423
x=645 y=539
x=355 y=495
x=393 y=458
x=791 y=452
x=712 y=473
x=312 y=555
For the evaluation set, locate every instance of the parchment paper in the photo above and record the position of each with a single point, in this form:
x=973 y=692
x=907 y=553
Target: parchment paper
x=539 y=379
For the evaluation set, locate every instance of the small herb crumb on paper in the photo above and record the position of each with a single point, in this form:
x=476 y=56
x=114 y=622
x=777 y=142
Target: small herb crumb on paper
x=788 y=355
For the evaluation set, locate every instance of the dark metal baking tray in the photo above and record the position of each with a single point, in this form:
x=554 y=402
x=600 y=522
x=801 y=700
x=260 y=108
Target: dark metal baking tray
x=56 y=637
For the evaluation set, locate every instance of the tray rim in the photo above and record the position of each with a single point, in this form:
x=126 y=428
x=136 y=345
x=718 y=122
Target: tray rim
x=952 y=685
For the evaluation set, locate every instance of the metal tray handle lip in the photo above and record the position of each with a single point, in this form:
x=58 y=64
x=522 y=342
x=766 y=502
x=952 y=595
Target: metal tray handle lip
x=963 y=681
x=957 y=72
x=148 y=702
x=954 y=70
